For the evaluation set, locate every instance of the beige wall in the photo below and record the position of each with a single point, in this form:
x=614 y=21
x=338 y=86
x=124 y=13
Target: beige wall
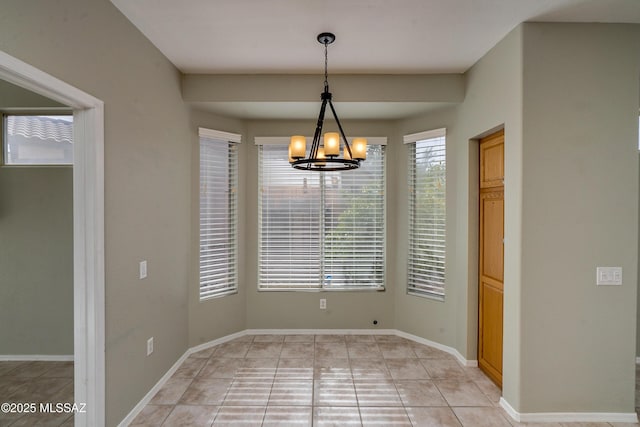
x=437 y=88
x=148 y=143
x=12 y=97
x=36 y=261
x=580 y=211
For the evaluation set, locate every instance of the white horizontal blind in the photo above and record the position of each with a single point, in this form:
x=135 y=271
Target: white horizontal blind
x=289 y=226
x=320 y=230
x=218 y=219
x=354 y=224
x=427 y=217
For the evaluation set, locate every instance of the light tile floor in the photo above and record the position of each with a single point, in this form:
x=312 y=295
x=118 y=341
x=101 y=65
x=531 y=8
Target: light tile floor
x=295 y=380
x=36 y=382
x=328 y=380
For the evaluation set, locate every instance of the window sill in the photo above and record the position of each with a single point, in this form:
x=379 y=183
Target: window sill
x=220 y=295
x=316 y=290
x=438 y=298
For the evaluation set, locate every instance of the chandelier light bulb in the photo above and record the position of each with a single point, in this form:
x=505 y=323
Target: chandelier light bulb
x=297 y=147
x=359 y=148
x=320 y=157
x=332 y=144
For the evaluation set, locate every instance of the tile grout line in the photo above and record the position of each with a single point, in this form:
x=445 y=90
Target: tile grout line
x=275 y=372
x=353 y=380
x=179 y=398
x=313 y=383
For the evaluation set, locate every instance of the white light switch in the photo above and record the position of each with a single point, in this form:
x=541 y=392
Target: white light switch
x=143 y=269
x=149 y=346
x=323 y=304
x=609 y=276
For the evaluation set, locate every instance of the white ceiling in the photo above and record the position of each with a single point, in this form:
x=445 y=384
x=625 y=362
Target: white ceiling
x=372 y=36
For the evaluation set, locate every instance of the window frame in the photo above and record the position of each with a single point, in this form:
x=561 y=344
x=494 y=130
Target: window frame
x=320 y=285
x=4 y=140
x=412 y=287
x=231 y=140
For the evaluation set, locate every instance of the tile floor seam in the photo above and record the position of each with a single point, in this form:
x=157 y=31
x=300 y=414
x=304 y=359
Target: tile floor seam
x=168 y=414
x=313 y=383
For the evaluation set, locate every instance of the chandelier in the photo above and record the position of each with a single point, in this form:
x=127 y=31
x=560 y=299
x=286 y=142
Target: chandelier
x=326 y=157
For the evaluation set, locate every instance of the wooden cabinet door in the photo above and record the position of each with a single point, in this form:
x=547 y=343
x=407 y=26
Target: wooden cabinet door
x=492 y=160
x=491 y=257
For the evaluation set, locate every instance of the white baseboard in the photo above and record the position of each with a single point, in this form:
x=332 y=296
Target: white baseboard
x=320 y=332
x=147 y=398
x=568 y=417
x=445 y=348
x=215 y=342
x=36 y=358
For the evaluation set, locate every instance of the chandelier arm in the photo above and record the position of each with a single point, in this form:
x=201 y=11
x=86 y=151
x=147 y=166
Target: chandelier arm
x=315 y=144
x=335 y=116
x=329 y=164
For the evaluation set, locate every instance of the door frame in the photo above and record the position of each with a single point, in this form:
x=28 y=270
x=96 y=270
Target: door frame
x=474 y=236
x=88 y=231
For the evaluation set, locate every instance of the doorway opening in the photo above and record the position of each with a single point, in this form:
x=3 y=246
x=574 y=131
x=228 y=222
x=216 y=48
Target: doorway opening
x=88 y=230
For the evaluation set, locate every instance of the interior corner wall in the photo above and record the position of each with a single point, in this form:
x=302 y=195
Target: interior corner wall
x=216 y=317
x=147 y=157
x=36 y=260
x=580 y=211
x=300 y=310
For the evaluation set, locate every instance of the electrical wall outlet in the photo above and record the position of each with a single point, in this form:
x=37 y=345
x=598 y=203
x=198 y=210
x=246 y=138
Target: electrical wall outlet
x=323 y=304
x=149 y=346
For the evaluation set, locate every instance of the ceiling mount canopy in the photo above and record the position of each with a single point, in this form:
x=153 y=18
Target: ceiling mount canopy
x=326 y=38
x=326 y=156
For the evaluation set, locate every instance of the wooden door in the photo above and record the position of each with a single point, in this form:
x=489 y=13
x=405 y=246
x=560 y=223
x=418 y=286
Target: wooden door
x=491 y=256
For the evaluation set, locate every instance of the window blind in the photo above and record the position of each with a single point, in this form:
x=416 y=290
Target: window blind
x=218 y=219
x=321 y=230
x=427 y=215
